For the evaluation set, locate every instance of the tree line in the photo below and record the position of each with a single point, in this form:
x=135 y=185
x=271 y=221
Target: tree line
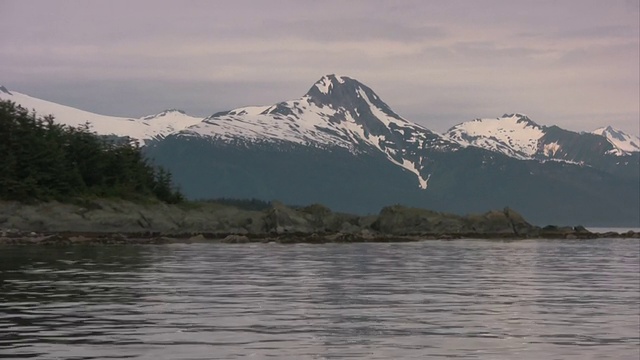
x=43 y=160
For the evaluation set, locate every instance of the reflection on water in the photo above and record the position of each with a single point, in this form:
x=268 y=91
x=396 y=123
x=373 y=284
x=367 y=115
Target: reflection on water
x=465 y=299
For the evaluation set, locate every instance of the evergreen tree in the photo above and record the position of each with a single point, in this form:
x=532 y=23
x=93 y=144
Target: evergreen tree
x=42 y=160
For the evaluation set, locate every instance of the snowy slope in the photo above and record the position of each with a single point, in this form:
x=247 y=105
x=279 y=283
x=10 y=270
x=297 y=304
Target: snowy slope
x=142 y=129
x=622 y=141
x=336 y=112
x=514 y=135
x=517 y=136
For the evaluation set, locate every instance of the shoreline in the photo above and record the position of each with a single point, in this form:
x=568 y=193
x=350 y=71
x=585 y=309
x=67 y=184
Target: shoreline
x=96 y=238
x=104 y=221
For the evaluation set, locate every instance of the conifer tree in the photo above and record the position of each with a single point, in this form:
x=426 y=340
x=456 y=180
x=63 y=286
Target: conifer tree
x=43 y=160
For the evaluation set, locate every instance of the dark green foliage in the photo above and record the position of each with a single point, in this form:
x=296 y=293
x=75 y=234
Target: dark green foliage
x=42 y=160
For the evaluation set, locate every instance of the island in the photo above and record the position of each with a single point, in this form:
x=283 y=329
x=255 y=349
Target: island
x=117 y=221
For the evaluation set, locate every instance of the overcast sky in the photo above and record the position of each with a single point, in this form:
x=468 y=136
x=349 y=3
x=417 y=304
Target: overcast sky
x=574 y=63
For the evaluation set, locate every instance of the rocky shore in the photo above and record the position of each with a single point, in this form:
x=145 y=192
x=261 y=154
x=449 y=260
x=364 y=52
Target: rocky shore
x=121 y=222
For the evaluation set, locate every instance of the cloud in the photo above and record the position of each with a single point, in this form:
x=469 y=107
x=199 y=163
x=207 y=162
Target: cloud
x=444 y=62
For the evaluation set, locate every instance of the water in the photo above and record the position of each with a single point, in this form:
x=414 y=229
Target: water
x=466 y=299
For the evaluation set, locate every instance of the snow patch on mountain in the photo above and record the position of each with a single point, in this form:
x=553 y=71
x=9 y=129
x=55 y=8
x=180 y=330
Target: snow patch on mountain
x=422 y=181
x=256 y=124
x=324 y=86
x=326 y=83
x=142 y=129
x=620 y=140
x=167 y=112
x=512 y=134
x=551 y=149
x=304 y=123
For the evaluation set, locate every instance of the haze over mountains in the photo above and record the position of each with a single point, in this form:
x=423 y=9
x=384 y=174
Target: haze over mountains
x=341 y=145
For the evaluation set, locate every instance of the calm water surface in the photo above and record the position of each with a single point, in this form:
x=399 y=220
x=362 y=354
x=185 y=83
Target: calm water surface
x=466 y=299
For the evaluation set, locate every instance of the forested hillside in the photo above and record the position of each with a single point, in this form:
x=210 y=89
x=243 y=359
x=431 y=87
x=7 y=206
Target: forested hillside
x=43 y=160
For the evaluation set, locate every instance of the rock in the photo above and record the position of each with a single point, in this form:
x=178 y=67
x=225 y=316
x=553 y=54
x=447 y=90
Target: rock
x=580 y=229
x=401 y=220
x=500 y=222
x=197 y=238
x=78 y=239
x=56 y=239
x=236 y=239
x=163 y=240
x=610 y=234
x=556 y=232
x=107 y=216
x=368 y=234
x=151 y=220
x=281 y=219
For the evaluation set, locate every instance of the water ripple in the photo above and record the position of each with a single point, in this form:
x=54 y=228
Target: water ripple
x=464 y=299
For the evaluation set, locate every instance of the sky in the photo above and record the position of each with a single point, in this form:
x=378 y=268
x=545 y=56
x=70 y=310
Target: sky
x=572 y=63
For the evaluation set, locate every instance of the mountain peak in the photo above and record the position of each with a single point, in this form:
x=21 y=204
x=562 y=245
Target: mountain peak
x=5 y=90
x=326 y=84
x=611 y=132
x=520 y=119
x=348 y=94
x=514 y=135
x=518 y=115
x=331 y=83
x=163 y=113
x=619 y=139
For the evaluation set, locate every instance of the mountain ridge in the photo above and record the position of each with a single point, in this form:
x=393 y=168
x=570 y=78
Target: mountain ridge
x=341 y=145
x=335 y=112
x=334 y=88
x=621 y=140
x=141 y=129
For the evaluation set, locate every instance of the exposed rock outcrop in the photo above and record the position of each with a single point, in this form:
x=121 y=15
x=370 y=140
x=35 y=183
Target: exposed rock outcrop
x=104 y=221
x=400 y=220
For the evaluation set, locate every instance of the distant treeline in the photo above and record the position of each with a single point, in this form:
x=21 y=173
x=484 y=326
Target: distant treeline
x=43 y=160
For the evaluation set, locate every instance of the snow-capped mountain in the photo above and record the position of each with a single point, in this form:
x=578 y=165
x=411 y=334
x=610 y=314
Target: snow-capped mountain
x=337 y=111
x=142 y=129
x=342 y=146
x=518 y=136
x=622 y=141
x=514 y=135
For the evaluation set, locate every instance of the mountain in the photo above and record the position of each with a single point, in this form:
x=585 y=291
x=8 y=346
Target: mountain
x=623 y=142
x=341 y=145
x=142 y=129
x=514 y=135
x=336 y=113
x=517 y=136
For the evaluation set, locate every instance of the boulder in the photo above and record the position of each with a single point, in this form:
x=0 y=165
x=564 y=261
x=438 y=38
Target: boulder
x=236 y=239
x=401 y=220
x=506 y=221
